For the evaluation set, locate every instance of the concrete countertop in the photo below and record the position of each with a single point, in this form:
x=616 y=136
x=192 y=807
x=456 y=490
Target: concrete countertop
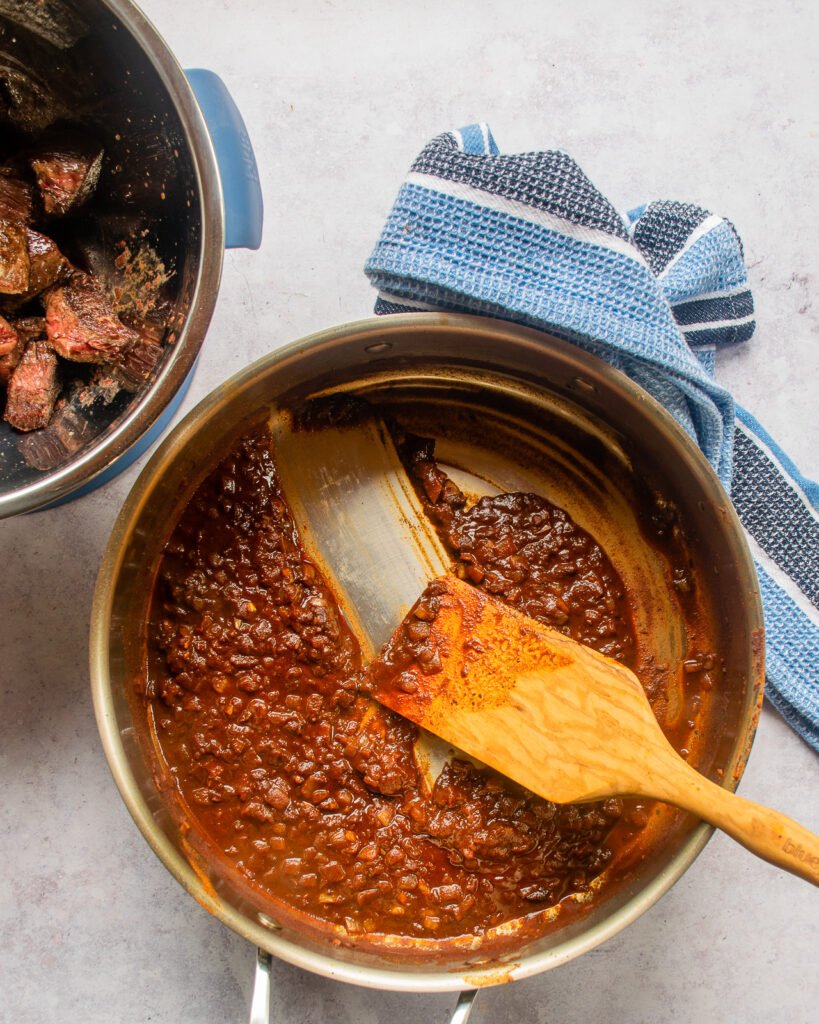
x=710 y=104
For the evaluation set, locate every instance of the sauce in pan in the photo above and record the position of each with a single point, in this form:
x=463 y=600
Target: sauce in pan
x=312 y=793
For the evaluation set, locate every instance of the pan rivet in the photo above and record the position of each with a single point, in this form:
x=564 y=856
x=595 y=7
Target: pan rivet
x=379 y=346
x=583 y=384
x=268 y=922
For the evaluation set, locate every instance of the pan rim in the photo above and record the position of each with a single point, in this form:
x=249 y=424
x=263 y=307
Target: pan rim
x=415 y=977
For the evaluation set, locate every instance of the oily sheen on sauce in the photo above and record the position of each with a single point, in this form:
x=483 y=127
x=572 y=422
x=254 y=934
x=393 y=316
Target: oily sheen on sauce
x=258 y=700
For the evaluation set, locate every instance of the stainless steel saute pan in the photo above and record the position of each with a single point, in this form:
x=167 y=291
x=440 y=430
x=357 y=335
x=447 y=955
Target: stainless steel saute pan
x=602 y=441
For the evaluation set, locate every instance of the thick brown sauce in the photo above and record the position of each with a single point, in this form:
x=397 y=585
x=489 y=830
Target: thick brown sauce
x=311 y=791
x=525 y=550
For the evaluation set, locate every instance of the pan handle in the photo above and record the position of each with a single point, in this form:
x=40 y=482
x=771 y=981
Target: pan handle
x=463 y=1008
x=260 y=1006
x=241 y=189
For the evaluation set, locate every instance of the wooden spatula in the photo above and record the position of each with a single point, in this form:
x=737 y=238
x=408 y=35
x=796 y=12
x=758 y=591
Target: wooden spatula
x=566 y=722
x=562 y=720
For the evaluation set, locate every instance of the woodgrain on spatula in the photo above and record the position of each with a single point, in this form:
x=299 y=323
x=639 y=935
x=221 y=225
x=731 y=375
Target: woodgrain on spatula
x=557 y=717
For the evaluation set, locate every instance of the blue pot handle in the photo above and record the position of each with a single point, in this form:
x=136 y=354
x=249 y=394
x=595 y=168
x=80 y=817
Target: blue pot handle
x=241 y=190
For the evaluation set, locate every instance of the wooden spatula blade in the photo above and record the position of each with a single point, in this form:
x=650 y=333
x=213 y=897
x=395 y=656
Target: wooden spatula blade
x=557 y=717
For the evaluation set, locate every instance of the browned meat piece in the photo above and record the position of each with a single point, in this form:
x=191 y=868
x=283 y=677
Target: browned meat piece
x=47 y=266
x=31 y=328
x=14 y=258
x=67 y=172
x=42 y=449
x=25 y=98
x=75 y=422
x=67 y=431
x=138 y=362
x=11 y=348
x=47 y=263
x=58 y=21
x=82 y=326
x=33 y=388
x=16 y=197
x=8 y=336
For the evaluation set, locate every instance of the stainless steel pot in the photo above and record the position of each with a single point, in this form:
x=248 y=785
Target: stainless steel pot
x=489 y=365
x=178 y=166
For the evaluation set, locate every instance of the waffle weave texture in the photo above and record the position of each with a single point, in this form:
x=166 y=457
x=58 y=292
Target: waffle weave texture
x=527 y=237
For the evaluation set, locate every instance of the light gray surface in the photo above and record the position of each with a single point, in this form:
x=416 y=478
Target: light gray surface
x=660 y=100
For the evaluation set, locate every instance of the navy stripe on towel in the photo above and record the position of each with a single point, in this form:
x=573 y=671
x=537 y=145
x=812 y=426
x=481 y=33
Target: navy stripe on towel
x=731 y=334
x=549 y=181
x=664 y=228
x=775 y=515
x=726 y=307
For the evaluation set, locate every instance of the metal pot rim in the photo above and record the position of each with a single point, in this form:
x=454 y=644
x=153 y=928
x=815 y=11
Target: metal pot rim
x=56 y=485
x=387 y=977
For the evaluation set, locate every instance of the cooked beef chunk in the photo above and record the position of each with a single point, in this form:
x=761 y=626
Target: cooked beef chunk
x=33 y=388
x=82 y=325
x=47 y=263
x=47 y=266
x=138 y=362
x=57 y=21
x=14 y=258
x=31 y=328
x=16 y=197
x=8 y=336
x=42 y=449
x=69 y=428
x=67 y=172
x=11 y=348
x=25 y=98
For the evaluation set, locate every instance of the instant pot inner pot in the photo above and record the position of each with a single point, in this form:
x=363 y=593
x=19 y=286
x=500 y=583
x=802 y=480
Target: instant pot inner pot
x=86 y=71
x=651 y=512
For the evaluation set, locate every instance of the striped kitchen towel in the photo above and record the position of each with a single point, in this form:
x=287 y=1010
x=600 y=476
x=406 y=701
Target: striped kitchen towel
x=528 y=238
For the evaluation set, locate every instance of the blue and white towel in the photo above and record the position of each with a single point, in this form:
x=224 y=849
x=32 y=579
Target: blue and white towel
x=527 y=237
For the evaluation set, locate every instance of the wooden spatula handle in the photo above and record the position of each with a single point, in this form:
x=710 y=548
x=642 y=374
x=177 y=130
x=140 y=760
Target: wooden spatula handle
x=765 y=832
